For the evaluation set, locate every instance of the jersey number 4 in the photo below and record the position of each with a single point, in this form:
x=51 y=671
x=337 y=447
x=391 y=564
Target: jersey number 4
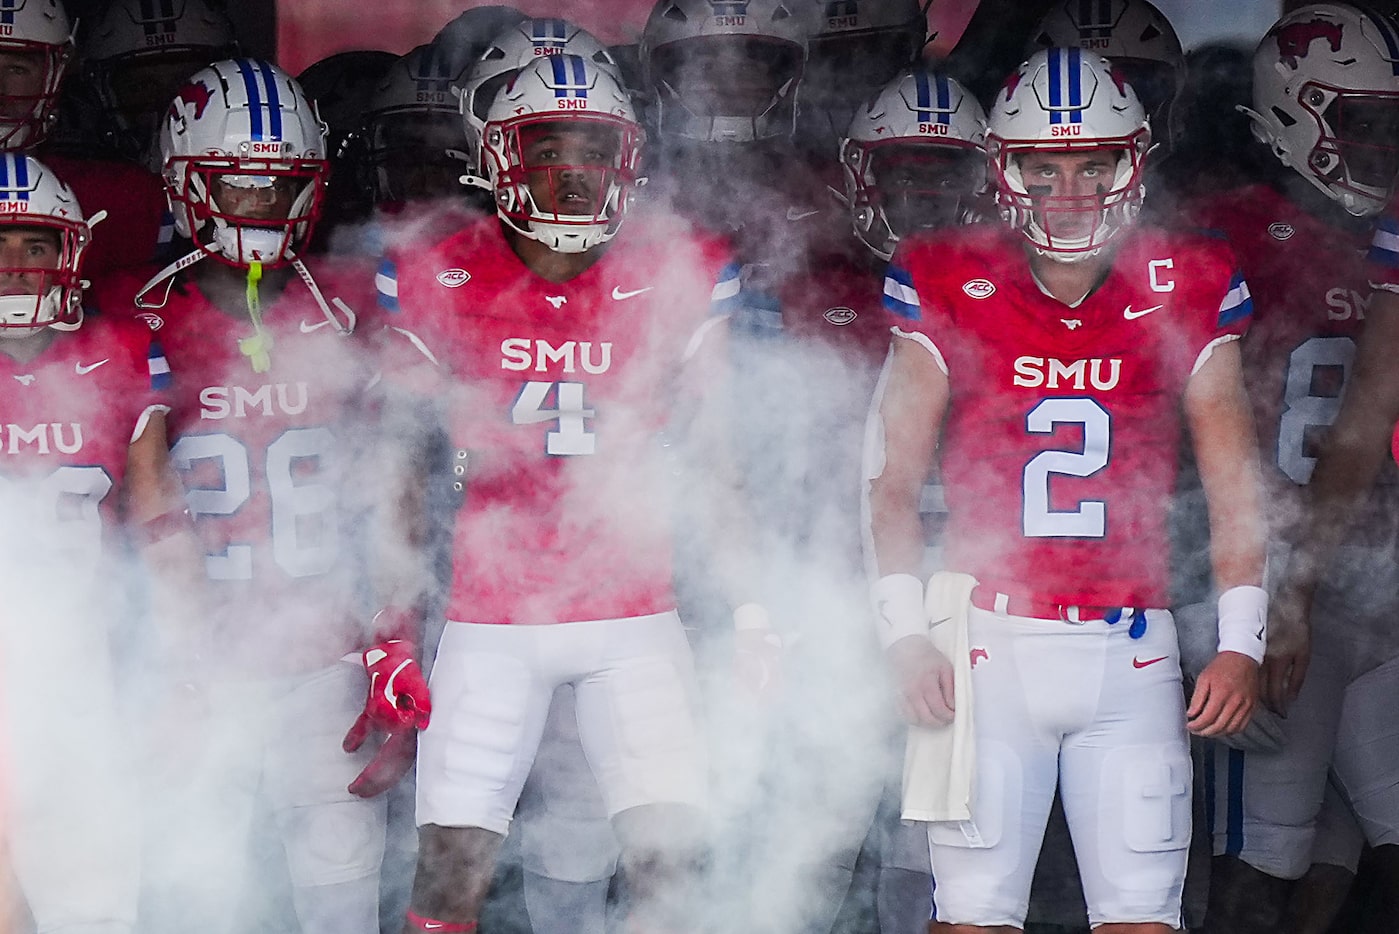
x=1089 y=518
x=572 y=435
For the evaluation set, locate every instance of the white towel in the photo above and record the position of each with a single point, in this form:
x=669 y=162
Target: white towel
x=940 y=762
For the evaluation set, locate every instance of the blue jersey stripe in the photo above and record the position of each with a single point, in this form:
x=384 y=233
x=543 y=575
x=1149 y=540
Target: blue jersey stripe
x=1235 y=830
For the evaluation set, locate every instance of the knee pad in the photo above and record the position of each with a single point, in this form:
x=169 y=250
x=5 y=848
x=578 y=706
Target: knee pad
x=1142 y=845
x=567 y=849
x=336 y=842
x=482 y=731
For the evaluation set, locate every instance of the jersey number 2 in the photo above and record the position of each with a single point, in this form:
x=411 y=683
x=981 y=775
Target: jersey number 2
x=1089 y=518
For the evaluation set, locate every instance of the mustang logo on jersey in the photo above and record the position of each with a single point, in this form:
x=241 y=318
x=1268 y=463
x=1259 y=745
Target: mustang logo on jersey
x=1053 y=374
x=217 y=402
x=522 y=353
x=46 y=438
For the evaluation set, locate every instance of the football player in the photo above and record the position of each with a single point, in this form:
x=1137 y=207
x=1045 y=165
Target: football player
x=595 y=323
x=1326 y=104
x=35 y=51
x=1065 y=349
x=86 y=466
x=265 y=426
x=858 y=47
x=807 y=354
x=136 y=55
x=724 y=92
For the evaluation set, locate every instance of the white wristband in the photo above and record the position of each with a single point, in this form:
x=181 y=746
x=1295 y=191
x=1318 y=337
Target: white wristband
x=898 y=607
x=1243 y=621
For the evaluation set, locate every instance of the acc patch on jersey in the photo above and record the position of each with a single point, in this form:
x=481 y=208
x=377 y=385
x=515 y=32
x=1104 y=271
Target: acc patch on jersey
x=1281 y=231
x=454 y=278
x=840 y=315
x=153 y=321
x=979 y=288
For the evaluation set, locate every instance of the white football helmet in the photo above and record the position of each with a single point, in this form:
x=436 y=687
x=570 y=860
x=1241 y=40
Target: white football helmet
x=569 y=94
x=1137 y=38
x=726 y=71
x=464 y=39
x=414 y=139
x=509 y=52
x=37 y=28
x=1068 y=100
x=248 y=124
x=924 y=119
x=32 y=197
x=1326 y=101
x=136 y=54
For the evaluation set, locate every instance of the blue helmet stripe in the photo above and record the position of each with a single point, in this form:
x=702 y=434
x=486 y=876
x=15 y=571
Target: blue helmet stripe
x=22 y=177
x=1075 y=86
x=1386 y=30
x=1055 y=93
x=274 y=100
x=944 y=100
x=556 y=62
x=254 y=98
x=924 y=97
x=580 y=76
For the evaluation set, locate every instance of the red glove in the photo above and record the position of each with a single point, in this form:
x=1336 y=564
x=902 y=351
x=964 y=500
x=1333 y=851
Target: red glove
x=397 y=704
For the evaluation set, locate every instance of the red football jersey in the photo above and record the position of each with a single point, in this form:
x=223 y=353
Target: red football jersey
x=69 y=417
x=138 y=221
x=1060 y=446
x=1311 y=284
x=266 y=459
x=557 y=394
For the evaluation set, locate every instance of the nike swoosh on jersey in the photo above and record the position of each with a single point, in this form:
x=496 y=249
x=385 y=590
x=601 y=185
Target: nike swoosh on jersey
x=307 y=327
x=796 y=214
x=620 y=296
x=83 y=370
x=1131 y=315
x=1143 y=663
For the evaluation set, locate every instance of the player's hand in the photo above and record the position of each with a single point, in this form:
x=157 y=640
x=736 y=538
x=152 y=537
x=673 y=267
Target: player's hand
x=1225 y=695
x=758 y=661
x=392 y=761
x=923 y=676
x=397 y=703
x=1289 y=647
x=1264 y=733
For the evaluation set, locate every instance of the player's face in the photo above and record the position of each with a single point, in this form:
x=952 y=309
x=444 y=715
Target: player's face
x=256 y=197
x=924 y=187
x=21 y=81
x=730 y=77
x=1368 y=130
x=568 y=162
x=1068 y=188
x=24 y=253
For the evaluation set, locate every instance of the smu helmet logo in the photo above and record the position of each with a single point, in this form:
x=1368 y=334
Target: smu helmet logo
x=1295 y=40
x=548 y=36
x=195 y=95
